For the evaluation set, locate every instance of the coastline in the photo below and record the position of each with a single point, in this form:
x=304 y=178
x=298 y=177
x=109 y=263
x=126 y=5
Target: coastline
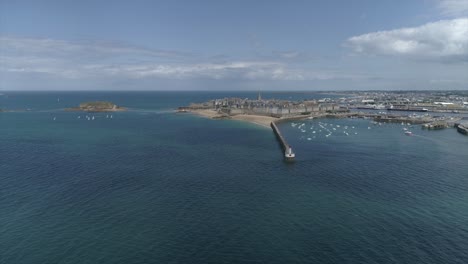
x=264 y=121
x=259 y=120
x=78 y=109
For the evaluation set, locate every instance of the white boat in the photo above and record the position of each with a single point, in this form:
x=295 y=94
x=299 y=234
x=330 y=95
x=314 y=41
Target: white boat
x=408 y=133
x=380 y=107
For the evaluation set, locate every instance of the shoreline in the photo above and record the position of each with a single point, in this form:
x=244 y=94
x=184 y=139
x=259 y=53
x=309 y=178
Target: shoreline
x=263 y=121
x=260 y=120
x=78 y=109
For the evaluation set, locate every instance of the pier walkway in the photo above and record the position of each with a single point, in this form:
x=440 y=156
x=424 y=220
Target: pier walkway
x=288 y=153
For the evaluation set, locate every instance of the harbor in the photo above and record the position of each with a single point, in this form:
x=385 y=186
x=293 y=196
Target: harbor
x=270 y=112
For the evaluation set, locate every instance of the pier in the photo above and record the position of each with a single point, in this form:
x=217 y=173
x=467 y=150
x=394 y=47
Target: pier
x=462 y=128
x=288 y=153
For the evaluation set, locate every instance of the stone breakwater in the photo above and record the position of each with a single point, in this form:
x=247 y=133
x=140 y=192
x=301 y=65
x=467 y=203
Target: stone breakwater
x=463 y=129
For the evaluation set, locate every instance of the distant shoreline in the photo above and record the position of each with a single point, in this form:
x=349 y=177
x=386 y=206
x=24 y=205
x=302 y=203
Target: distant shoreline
x=259 y=120
x=97 y=106
x=78 y=109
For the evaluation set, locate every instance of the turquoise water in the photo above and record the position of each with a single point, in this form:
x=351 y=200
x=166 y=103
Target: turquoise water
x=152 y=186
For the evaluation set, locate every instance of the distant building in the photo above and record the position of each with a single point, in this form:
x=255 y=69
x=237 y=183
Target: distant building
x=368 y=101
x=443 y=103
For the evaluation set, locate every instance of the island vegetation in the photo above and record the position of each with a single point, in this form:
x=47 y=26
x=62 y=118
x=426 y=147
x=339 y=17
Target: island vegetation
x=97 y=106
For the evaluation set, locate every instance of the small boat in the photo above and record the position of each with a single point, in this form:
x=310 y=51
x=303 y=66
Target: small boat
x=408 y=133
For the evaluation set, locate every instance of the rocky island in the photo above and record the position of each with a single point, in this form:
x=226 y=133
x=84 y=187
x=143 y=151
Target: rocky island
x=97 y=106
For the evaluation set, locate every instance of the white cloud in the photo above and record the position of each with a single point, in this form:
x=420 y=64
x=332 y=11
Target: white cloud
x=241 y=70
x=81 y=60
x=442 y=40
x=453 y=7
x=78 y=49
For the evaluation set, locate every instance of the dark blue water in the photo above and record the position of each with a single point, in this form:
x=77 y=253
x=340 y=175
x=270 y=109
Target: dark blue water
x=152 y=186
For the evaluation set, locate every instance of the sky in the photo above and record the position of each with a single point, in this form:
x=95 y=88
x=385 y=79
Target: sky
x=234 y=45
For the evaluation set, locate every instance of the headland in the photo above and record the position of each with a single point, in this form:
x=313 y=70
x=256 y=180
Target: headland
x=423 y=108
x=260 y=120
x=260 y=112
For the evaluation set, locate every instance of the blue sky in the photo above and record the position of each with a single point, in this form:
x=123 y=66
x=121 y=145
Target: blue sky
x=233 y=45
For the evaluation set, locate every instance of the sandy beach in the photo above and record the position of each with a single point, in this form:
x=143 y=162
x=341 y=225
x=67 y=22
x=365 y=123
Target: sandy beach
x=209 y=113
x=254 y=119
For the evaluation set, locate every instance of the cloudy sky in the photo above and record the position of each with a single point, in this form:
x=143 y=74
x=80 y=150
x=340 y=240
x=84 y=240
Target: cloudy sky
x=233 y=45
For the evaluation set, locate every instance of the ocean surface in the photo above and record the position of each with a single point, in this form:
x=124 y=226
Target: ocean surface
x=153 y=186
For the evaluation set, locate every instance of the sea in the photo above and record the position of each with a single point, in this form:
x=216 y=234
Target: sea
x=153 y=186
